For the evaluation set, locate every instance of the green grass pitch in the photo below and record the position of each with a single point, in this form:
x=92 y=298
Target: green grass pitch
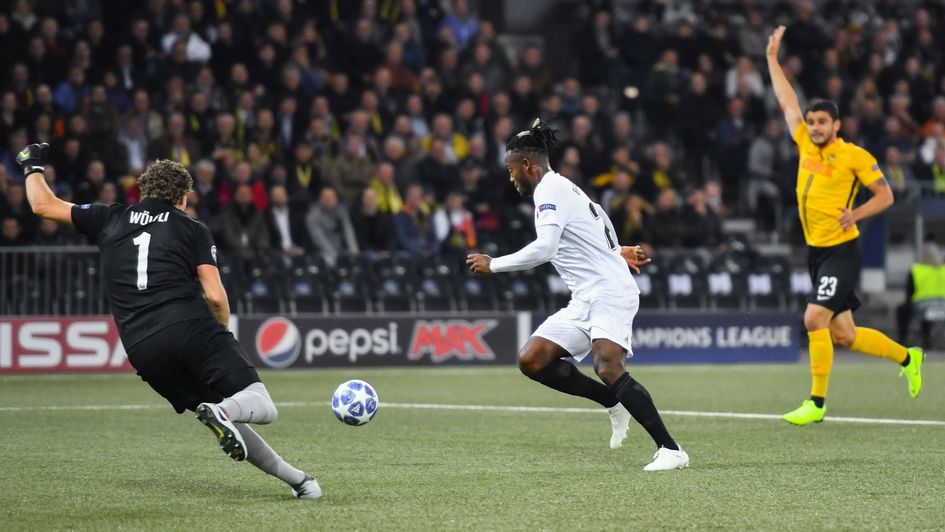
x=144 y=467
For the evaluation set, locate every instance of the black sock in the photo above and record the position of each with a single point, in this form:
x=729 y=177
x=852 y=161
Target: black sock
x=818 y=401
x=566 y=377
x=638 y=402
x=905 y=362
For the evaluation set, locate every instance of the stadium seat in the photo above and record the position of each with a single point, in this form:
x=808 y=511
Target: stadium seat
x=435 y=294
x=800 y=288
x=351 y=292
x=394 y=279
x=263 y=291
x=652 y=287
x=477 y=292
x=522 y=291
x=726 y=280
x=768 y=283
x=685 y=281
x=394 y=294
x=304 y=287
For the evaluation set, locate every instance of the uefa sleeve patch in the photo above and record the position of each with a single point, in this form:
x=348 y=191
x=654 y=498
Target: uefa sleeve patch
x=547 y=207
x=875 y=168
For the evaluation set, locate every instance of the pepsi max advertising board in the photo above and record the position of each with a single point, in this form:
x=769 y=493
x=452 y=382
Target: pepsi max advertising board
x=319 y=341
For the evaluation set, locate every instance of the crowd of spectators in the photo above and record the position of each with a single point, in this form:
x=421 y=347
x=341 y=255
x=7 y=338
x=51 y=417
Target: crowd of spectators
x=379 y=126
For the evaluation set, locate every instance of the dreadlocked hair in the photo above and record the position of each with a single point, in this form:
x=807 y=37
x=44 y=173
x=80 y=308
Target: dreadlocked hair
x=537 y=140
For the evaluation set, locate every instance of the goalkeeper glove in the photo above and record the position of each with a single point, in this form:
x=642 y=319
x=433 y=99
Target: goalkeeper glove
x=33 y=158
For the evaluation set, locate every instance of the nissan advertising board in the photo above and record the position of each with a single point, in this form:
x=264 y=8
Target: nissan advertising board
x=61 y=344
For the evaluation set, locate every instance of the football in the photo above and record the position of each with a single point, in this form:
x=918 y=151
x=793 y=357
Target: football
x=354 y=402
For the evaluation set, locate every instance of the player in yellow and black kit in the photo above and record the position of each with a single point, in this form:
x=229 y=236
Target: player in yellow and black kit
x=829 y=175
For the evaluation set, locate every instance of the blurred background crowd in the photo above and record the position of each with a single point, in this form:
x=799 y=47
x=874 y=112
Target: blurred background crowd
x=379 y=126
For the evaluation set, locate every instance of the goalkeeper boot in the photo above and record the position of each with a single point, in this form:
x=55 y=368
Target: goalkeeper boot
x=307 y=489
x=913 y=370
x=229 y=438
x=806 y=413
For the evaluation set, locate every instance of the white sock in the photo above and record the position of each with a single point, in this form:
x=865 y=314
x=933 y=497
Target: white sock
x=262 y=456
x=251 y=405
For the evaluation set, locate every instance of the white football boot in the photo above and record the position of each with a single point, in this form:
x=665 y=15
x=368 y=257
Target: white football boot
x=667 y=459
x=619 y=423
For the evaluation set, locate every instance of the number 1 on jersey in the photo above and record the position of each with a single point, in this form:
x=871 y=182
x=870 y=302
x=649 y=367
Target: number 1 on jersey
x=143 y=241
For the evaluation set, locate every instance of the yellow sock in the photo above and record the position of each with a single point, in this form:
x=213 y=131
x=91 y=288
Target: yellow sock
x=877 y=344
x=821 y=359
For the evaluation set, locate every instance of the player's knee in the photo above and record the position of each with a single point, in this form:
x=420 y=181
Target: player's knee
x=815 y=320
x=843 y=338
x=529 y=364
x=267 y=412
x=608 y=369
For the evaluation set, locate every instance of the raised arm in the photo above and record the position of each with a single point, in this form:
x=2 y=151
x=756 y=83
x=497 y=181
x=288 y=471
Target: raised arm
x=42 y=200
x=787 y=98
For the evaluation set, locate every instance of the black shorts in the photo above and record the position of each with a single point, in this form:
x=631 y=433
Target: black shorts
x=835 y=274
x=193 y=362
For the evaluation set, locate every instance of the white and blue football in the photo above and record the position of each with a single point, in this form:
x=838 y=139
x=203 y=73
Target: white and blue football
x=354 y=402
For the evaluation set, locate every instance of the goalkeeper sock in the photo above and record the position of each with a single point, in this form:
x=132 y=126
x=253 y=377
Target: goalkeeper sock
x=262 y=456
x=874 y=343
x=821 y=360
x=566 y=377
x=250 y=405
x=634 y=397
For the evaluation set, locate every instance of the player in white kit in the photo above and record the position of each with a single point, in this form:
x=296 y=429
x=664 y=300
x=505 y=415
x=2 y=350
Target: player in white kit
x=575 y=234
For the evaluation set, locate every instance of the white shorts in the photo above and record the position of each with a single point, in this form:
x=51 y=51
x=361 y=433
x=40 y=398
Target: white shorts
x=575 y=326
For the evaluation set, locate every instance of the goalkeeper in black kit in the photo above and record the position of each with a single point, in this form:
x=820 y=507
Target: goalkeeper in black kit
x=160 y=272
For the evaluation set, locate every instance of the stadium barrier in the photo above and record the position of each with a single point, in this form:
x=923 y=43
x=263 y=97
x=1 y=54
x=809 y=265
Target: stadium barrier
x=91 y=343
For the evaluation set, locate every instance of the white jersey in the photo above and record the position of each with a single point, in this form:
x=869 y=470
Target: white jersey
x=588 y=257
